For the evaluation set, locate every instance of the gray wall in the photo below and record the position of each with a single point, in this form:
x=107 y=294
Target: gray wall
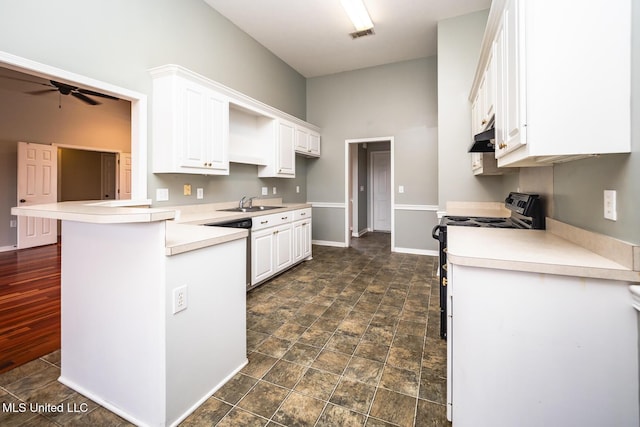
x=396 y=100
x=459 y=42
x=117 y=41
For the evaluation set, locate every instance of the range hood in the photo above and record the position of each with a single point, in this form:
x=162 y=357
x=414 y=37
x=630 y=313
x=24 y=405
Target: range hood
x=484 y=142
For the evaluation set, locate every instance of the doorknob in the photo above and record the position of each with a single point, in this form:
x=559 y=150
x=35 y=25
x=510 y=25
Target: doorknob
x=22 y=201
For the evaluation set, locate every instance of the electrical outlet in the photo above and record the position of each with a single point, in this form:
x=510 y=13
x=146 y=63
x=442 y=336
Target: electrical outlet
x=187 y=190
x=401 y=189
x=13 y=223
x=610 y=208
x=180 y=299
x=265 y=191
x=275 y=190
x=200 y=193
x=297 y=188
x=162 y=194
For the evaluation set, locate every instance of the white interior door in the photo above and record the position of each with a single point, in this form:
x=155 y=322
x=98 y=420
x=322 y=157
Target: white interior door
x=37 y=184
x=124 y=176
x=381 y=188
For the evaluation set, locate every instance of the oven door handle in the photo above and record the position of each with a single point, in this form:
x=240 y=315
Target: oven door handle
x=435 y=233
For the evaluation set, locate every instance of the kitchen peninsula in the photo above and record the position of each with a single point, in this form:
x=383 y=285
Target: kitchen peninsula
x=153 y=312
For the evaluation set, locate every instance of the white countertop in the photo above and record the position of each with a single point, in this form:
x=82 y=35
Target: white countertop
x=95 y=212
x=485 y=209
x=207 y=214
x=537 y=251
x=182 y=238
x=184 y=234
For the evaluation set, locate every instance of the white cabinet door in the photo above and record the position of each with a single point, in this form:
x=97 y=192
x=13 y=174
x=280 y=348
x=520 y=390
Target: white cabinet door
x=489 y=89
x=306 y=239
x=307 y=142
x=314 y=143
x=283 y=247
x=514 y=78
x=262 y=255
x=190 y=128
x=301 y=240
x=285 y=156
x=302 y=140
x=205 y=128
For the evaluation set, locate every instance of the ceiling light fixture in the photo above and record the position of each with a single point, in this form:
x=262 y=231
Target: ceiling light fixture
x=358 y=14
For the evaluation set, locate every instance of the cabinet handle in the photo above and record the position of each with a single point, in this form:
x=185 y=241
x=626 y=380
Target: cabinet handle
x=303 y=213
x=484 y=121
x=284 y=218
x=502 y=145
x=275 y=232
x=264 y=222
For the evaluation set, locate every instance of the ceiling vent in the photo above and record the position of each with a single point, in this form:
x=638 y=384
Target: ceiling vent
x=363 y=33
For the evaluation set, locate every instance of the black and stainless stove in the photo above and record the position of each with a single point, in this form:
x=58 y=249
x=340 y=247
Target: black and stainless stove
x=526 y=213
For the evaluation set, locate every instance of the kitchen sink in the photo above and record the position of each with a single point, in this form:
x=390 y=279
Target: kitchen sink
x=251 y=209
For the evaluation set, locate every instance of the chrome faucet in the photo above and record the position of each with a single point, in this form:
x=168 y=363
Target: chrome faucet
x=241 y=204
x=251 y=201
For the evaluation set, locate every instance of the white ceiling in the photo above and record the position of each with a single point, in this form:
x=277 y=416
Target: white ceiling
x=312 y=36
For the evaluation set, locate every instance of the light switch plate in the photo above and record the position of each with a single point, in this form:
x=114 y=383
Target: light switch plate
x=610 y=208
x=199 y=193
x=265 y=191
x=162 y=194
x=401 y=189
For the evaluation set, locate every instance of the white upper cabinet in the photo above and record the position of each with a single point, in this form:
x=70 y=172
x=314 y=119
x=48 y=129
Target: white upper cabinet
x=563 y=76
x=283 y=161
x=307 y=142
x=190 y=128
x=199 y=126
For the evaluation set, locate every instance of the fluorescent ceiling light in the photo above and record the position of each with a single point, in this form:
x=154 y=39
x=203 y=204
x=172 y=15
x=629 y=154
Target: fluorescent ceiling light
x=358 y=14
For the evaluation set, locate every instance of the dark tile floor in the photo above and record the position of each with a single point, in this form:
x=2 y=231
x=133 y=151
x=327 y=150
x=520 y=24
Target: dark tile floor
x=347 y=339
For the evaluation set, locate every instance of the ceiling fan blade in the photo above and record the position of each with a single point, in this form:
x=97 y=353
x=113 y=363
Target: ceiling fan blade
x=84 y=98
x=101 y=95
x=25 y=80
x=41 y=92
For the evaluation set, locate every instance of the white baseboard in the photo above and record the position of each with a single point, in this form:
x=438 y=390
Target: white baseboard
x=359 y=233
x=8 y=248
x=329 y=243
x=413 y=251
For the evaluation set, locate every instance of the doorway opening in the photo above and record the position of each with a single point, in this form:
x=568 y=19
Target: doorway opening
x=138 y=110
x=135 y=174
x=369 y=196
x=85 y=174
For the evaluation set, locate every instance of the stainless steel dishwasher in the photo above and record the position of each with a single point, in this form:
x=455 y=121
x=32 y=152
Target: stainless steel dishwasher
x=245 y=223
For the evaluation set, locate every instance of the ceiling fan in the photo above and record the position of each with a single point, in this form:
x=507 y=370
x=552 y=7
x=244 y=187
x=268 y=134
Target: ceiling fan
x=66 y=89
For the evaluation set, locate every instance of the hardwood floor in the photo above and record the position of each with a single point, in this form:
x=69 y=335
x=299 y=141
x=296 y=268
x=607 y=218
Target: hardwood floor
x=29 y=304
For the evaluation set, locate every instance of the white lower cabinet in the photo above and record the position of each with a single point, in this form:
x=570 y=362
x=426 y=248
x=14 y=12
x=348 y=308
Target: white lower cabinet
x=302 y=235
x=262 y=264
x=564 y=345
x=278 y=241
